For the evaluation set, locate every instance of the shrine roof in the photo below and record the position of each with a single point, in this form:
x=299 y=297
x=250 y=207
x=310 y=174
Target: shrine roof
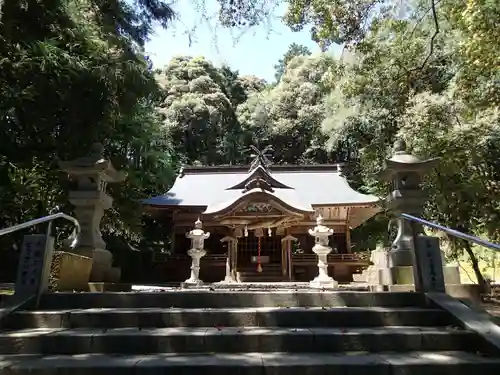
x=310 y=185
x=286 y=196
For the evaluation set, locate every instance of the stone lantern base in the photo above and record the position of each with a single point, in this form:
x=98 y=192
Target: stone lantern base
x=194 y=278
x=102 y=270
x=324 y=282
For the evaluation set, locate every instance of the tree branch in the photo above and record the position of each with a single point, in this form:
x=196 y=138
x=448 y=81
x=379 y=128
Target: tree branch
x=433 y=5
x=434 y=36
x=432 y=41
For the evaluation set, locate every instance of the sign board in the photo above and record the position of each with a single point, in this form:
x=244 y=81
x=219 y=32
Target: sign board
x=428 y=265
x=34 y=264
x=263 y=259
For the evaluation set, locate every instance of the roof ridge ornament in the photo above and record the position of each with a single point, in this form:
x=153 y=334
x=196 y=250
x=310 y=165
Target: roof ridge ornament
x=261 y=158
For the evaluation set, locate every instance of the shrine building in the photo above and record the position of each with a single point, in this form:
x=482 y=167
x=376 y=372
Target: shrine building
x=258 y=218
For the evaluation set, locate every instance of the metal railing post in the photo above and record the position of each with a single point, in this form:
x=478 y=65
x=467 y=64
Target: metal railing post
x=427 y=258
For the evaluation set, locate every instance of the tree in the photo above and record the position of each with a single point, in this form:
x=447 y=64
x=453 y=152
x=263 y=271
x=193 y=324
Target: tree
x=72 y=74
x=198 y=110
x=294 y=50
x=289 y=115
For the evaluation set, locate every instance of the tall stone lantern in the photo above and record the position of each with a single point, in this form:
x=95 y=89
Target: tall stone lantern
x=405 y=173
x=92 y=173
x=321 y=249
x=197 y=251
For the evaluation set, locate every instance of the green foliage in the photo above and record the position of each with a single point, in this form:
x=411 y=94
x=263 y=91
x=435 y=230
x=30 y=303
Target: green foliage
x=198 y=112
x=424 y=70
x=72 y=75
x=294 y=50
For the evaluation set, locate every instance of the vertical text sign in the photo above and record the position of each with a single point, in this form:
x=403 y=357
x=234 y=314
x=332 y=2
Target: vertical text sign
x=430 y=263
x=31 y=268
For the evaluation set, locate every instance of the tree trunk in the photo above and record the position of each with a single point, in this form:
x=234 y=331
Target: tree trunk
x=485 y=289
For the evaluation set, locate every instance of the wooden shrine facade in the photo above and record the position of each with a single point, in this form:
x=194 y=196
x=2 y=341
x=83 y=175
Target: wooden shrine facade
x=258 y=218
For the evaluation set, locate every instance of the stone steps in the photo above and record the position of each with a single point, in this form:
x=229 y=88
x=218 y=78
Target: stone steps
x=410 y=363
x=230 y=298
x=58 y=341
x=240 y=332
x=229 y=317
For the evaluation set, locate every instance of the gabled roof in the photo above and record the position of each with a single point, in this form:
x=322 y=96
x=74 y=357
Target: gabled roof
x=260 y=173
x=287 y=198
x=311 y=185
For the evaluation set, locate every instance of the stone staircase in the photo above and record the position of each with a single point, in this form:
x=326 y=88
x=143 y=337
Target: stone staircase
x=252 y=332
x=270 y=273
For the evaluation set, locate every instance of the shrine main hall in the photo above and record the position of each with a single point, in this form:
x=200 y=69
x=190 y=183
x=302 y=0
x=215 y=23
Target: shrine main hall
x=258 y=217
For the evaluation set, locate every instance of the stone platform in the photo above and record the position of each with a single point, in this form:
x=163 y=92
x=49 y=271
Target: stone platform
x=257 y=286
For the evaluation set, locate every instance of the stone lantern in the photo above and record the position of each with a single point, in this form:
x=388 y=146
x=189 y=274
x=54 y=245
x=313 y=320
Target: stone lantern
x=92 y=173
x=321 y=249
x=405 y=172
x=197 y=251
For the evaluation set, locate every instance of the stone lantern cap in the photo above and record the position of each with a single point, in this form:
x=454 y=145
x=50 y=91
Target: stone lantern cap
x=401 y=161
x=320 y=230
x=91 y=164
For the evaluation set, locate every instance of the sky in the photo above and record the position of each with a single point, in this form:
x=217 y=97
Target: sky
x=253 y=53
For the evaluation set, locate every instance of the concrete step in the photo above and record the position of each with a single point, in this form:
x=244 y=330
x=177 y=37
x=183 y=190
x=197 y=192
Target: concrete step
x=228 y=298
x=230 y=317
x=234 y=340
x=411 y=363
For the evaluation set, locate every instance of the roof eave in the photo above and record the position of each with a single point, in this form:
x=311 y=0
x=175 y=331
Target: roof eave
x=231 y=205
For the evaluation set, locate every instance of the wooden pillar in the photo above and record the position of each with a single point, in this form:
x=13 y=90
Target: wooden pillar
x=229 y=260
x=348 y=239
x=284 y=258
x=287 y=244
x=173 y=234
x=235 y=260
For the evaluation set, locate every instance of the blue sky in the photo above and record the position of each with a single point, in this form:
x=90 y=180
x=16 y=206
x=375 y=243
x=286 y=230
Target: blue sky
x=255 y=52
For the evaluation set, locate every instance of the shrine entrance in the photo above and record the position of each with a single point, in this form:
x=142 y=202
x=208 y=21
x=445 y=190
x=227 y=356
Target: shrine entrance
x=248 y=250
x=260 y=258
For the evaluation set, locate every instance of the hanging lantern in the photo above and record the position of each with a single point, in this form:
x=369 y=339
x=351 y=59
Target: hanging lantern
x=269 y=232
x=246 y=231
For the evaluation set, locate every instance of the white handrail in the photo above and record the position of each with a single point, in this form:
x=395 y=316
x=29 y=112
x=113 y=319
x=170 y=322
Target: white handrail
x=41 y=220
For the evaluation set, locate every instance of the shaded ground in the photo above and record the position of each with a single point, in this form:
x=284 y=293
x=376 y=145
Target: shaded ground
x=492 y=308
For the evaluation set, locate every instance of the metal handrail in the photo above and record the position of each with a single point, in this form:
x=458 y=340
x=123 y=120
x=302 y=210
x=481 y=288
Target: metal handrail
x=453 y=232
x=41 y=220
